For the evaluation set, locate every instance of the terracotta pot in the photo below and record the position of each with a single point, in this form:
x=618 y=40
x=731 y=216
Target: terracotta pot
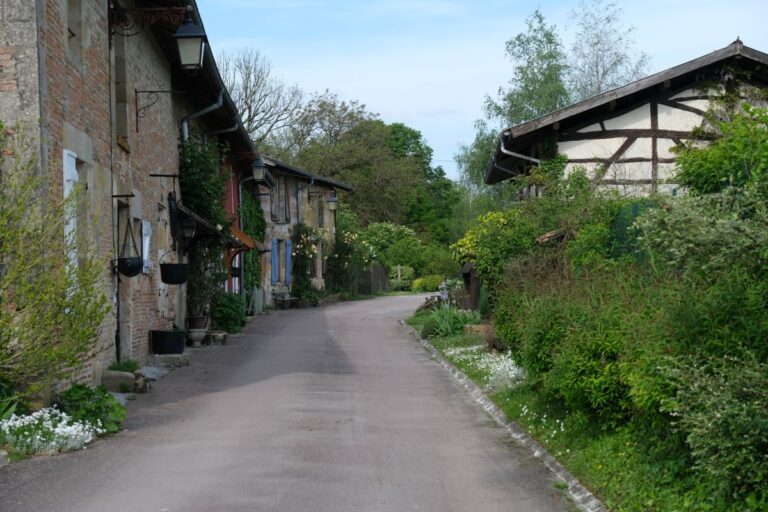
x=197 y=322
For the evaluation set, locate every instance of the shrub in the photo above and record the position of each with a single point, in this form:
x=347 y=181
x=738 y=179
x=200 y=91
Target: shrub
x=451 y=321
x=406 y=277
x=427 y=283
x=228 y=312
x=720 y=407
x=429 y=328
x=94 y=406
x=126 y=365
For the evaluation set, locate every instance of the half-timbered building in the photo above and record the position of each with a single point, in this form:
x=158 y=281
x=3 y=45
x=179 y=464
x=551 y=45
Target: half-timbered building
x=625 y=137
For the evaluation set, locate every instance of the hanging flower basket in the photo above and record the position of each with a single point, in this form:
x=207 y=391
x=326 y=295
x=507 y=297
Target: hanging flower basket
x=174 y=273
x=130 y=267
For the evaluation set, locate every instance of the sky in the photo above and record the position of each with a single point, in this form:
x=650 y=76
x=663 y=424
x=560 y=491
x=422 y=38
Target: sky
x=430 y=63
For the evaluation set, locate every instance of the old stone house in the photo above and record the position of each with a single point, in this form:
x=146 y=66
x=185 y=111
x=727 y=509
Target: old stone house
x=298 y=196
x=628 y=134
x=102 y=87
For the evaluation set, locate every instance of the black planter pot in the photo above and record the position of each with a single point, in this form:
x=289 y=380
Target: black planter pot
x=197 y=322
x=174 y=273
x=167 y=342
x=130 y=267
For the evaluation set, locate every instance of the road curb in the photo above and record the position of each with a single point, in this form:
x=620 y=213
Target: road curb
x=582 y=498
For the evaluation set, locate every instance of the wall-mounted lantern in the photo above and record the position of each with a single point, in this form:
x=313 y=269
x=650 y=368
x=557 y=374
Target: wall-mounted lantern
x=188 y=227
x=333 y=202
x=191 y=40
x=190 y=37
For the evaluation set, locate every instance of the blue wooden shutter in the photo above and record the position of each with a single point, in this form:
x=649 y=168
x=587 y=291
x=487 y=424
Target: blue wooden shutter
x=275 y=263
x=288 y=261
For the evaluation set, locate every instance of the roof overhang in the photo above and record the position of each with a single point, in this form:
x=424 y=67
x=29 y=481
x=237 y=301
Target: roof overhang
x=279 y=167
x=516 y=144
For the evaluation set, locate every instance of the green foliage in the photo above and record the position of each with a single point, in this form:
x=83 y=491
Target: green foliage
x=94 y=406
x=429 y=283
x=126 y=365
x=537 y=85
x=497 y=237
x=484 y=304
x=349 y=255
x=51 y=304
x=451 y=321
x=10 y=400
x=254 y=225
x=437 y=259
x=406 y=277
x=206 y=275
x=720 y=407
x=228 y=312
x=203 y=186
x=305 y=243
x=429 y=328
x=739 y=158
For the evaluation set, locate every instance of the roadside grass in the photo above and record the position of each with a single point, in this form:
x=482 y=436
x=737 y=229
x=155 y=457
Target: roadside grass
x=620 y=466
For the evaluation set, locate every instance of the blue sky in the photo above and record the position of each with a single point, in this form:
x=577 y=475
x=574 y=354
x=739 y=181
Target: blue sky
x=430 y=63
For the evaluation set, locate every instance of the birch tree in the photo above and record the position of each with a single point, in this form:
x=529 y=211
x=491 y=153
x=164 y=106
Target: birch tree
x=602 y=55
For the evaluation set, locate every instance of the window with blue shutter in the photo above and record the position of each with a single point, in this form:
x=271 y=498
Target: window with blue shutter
x=275 y=263
x=288 y=261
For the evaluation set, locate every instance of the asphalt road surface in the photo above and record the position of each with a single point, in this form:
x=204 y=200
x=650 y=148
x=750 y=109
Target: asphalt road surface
x=326 y=409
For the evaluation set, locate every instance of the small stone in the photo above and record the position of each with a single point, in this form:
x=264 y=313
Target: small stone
x=168 y=360
x=153 y=372
x=3 y=458
x=119 y=382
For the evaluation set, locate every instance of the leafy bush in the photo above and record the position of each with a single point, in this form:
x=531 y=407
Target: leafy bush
x=93 y=406
x=497 y=237
x=720 y=407
x=427 y=283
x=57 y=304
x=46 y=431
x=738 y=158
x=406 y=277
x=126 y=365
x=451 y=321
x=228 y=312
x=305 y=243
x=429 y=328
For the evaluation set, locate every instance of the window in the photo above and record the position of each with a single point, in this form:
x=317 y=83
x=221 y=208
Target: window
x=71 y=177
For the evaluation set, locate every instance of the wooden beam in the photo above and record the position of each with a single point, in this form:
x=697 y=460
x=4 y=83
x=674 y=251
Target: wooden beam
x=623 y=133
x=622 y=149
x=654 y=145
x=683 y=106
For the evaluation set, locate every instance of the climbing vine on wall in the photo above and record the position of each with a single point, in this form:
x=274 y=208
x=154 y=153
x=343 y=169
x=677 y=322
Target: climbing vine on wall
x=255 y=226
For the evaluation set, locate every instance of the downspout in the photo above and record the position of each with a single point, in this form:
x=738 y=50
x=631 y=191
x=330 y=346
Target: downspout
x=516 y=155
x=194 y=115
x=231 y=129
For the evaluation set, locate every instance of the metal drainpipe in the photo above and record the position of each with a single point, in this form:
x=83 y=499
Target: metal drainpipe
x=231 y=129
x=194 y=115
x=516 y=155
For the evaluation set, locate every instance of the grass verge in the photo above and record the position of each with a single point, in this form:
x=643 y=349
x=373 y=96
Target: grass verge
x=621 y=466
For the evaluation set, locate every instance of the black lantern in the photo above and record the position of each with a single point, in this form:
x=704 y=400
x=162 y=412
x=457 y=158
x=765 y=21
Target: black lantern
x=332 y=202
x=191 y=40
x=188 y=226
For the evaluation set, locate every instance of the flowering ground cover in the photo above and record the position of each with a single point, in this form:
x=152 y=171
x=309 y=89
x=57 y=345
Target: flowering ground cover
x=46 y=431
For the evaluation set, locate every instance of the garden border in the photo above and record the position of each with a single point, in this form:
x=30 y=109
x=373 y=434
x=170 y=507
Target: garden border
x=582 y=498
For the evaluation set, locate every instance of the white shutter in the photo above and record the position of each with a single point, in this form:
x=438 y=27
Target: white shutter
x=70 y=181
x=146 y=235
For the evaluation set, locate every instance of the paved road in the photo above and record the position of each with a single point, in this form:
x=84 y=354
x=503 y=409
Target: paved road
x=330 y=409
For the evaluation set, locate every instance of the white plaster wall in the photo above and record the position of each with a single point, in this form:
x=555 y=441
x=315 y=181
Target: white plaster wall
x=639 y=118
x=686 y=93
x=630 y=171
x=664 y=148
x=641 y=148
x=591 y=128
x=667 y=171
x=675 y=119
x=699 y=104
x=598 y=148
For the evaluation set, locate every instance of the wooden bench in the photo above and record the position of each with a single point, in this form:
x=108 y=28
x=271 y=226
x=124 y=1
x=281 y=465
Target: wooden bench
x=283 y=299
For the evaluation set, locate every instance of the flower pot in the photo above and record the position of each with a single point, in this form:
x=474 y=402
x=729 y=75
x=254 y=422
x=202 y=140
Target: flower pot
x=167 y=342
x=130 y=267
x=197 y=322
x=197 y=336
x=174 y=273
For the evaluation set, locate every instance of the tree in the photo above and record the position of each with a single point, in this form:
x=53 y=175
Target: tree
x=266 y=104
x=538 y=82
x=601 y=56
x=51 y=282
